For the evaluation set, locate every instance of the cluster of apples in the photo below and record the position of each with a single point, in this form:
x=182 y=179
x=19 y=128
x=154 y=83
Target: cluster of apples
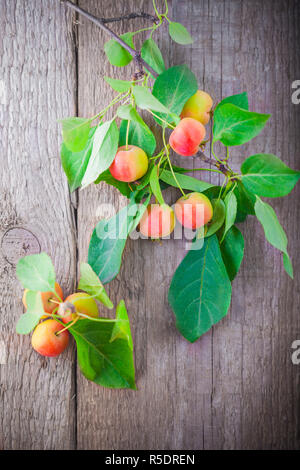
x=193 y=210
x=50 y=338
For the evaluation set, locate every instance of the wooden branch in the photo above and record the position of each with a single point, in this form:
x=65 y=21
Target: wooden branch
x=141 y=63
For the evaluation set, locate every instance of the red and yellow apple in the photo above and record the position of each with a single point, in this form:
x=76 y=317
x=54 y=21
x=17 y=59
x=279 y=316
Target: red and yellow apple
x=198 y=107
x=129 y=164
x=158 y=221
x=46 y=340
x=187 y=137
x=83 y=303
x=194 y=210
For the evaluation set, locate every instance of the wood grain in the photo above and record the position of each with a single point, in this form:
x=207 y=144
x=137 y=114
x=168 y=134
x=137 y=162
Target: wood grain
x=235 y=388
x=37 y=87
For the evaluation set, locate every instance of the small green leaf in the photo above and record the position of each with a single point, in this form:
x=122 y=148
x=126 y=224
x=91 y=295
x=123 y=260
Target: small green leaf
x=218 y=217
x=236 y=126
x=139 y=134
x=121 y=328
x=245 y=202
x=274 y=232
x=185 y=181
x=89 y=282
x=116 y=54
x=105 y=362
x=155 y=186
x=232 y=250
x=266 y=175
x=287 y=263
x=145 y=100
x=230 y=212
x=35 y=310
x=240 y=100
x=200 y=290
x=151 y=54
x=179 y=33
x=75 y=163
x=75 y=131
x=173 y=88
x=107 y=177
x=105 y=147
x=36 y=272
x=121 y=86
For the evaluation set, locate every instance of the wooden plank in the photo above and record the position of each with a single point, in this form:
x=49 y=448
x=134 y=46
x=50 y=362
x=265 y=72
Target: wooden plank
x=236 y=387
x=38 y=84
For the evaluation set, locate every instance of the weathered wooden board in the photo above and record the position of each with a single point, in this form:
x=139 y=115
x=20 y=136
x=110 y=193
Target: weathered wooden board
x=236 y=387
x=38 y=86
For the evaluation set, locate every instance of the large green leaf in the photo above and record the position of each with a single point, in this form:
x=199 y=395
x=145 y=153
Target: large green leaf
x=75 y=163
x=232 y=250
x=105 y=362
x=151 y=54
x=274 y=232
x=240 y=100
x=35 y=310
x=266 y=175
x=146 y=100
x=116 y=54
x=89 y=282
x=179 y=33
x=138 y=134
x=75 y=131
x=173 y=88
x=105 y=147
x=245 y=202
x=200 y=290
x=236 y=126
x=109 y=238
x=36 y=272
x=121 y=328
x=185 y=181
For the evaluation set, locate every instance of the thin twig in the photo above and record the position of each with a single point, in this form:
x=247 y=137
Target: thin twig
x=132 y=16
x=99 y=22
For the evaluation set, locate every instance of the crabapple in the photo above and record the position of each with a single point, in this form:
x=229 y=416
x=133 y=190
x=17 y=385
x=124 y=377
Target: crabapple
x=194 y=210
x=198 y=107
x=83 y=303
x=187 y=136
x=129 y=164
x=46 y=340
x=47 y=297
x=157 y=221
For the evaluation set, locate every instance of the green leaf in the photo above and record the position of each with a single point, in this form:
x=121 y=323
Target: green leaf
x=139 y=135
x=185 y=181
x=116 y=54
x=151 y=54
x=145 y=100
x=240 y=100
x=218 y=217
x=36 y=272
x=75 y=131
x=109 y=238
x=155 y=186
x=245 y=202
x=107 y=177
x=274 y=232
x=200 y=290
x=90 y=283
x=35 y=310
x=266 y=175
x=121 y=86
x=106 y=363
x=236 y=126
x=105 y=147
x=179 y=33
x=121 y=328
x=173 y=88
x=232 y=250
x=75 y=163
x=230 y=211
